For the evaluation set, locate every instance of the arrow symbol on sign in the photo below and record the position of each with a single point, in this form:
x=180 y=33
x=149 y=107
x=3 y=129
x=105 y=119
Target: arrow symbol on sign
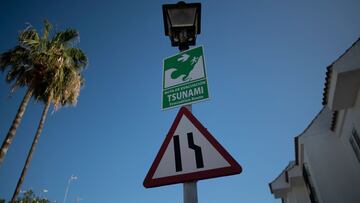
x=183 y=57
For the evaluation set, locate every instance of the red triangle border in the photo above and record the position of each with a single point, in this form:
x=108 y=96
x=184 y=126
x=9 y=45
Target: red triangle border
x=233 y=169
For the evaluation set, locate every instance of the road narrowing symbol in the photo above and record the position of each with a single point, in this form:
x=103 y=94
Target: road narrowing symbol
x=177 y=152
x=188 y=153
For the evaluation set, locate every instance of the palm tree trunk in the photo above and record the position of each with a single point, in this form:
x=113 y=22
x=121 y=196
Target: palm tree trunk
x=33 y=146
x=15 y=124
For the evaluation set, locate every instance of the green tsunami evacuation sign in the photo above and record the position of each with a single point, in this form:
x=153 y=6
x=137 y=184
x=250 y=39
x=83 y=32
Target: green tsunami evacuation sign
x=184 y=79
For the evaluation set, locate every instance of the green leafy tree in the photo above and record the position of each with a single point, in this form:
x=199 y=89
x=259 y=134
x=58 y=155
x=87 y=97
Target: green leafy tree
x=60 y=80
x=29 y=197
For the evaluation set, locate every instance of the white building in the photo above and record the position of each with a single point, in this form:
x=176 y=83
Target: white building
x=327 y=154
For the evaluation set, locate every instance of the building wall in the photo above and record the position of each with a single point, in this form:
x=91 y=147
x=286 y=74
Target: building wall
x=291 y=198
x=290 y=185
x=330 y=158
x=301 y=194
x=328 y=150
x=332 y=170
x=297 y=194
x=351 y=121
x=332 y=163
x=350 y=60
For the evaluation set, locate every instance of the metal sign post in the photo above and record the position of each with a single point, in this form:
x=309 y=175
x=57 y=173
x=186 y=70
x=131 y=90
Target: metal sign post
x=190 y=192
x=190 y=188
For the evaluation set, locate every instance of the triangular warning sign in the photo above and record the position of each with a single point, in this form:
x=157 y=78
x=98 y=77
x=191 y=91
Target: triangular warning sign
x=189 y=153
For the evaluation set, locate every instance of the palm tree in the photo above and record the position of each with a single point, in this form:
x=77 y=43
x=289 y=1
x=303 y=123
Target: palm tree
x=60 y=84
x=22 y=70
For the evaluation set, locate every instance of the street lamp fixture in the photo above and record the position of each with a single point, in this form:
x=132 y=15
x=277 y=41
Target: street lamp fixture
x=182 y=23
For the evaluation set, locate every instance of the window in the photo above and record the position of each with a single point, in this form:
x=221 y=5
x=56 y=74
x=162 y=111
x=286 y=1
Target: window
x=355 y=143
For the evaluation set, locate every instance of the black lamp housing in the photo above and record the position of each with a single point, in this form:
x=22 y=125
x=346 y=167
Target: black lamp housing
x=182 y=22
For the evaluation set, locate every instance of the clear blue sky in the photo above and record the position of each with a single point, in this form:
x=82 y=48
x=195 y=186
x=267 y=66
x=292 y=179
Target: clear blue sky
x=266 y=64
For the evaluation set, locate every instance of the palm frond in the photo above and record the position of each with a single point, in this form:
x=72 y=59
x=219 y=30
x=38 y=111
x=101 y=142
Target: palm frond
x=50 y=65
x=47 y=28
x=65 y=38
x=29 y=39
x=78 y=57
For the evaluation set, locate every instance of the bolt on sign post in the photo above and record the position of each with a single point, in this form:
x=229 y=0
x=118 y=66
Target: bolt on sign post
x=184 y=79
